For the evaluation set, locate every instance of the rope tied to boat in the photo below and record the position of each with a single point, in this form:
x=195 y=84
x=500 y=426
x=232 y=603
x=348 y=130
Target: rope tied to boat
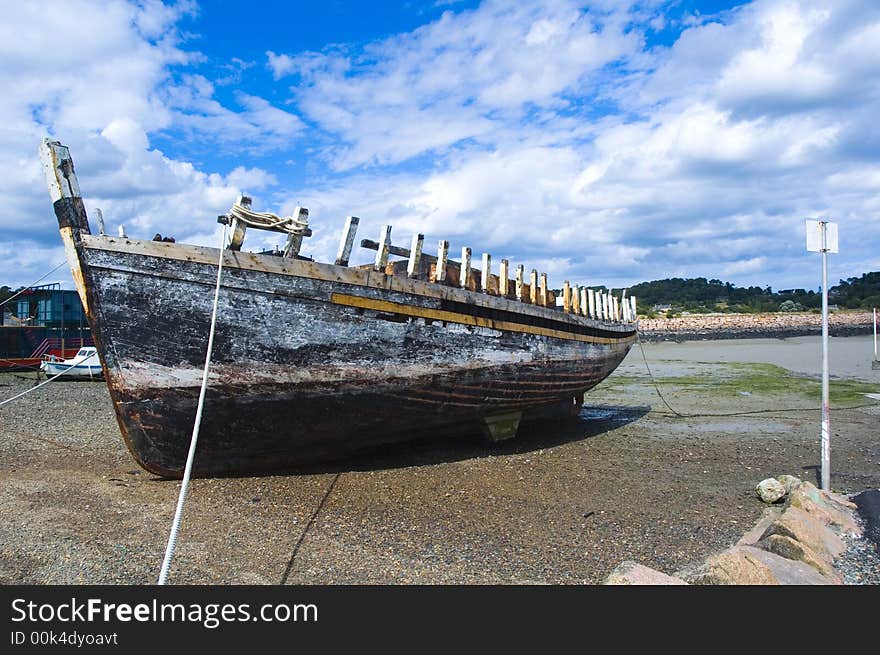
x=269 y=221
x=187 y=471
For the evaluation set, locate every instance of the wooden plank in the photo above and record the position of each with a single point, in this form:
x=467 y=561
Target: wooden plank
x=415 y=255
x=591 y=309
x=442 y=256
x=635 y=313
x=576 y=300
x=615 y=309
x=384 y=246
x=369 y=244
x=533 y=287
x=465 y=275
x=585 y=305
x=566 y=297
x=545 y=300
x=486 y=273
x=503 y=281
x=69 y=209
x=294 y=241
x=346 y=242
x=464 y=319
x=520 y=273
x=58 y=170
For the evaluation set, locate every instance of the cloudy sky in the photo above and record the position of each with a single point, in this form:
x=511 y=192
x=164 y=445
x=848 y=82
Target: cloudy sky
x=604 y=142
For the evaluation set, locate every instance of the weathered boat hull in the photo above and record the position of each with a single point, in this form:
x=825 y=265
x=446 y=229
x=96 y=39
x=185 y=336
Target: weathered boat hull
x=310 y=361
x=301 y=368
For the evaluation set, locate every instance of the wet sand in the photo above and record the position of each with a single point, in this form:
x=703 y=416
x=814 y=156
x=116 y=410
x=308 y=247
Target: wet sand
x=561 y=504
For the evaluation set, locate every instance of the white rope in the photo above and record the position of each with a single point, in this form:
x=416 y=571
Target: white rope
x=184 y=485
x=23 y=289
x=54 y=377
x=290 y=224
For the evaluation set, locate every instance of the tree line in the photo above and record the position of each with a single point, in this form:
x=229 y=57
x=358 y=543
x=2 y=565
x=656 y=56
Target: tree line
x=699 y=295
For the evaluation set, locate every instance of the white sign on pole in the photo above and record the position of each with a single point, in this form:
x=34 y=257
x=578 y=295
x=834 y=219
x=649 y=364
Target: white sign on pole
x=814 y=236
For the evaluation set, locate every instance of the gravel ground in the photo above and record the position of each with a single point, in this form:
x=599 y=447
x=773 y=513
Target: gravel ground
x=561 y=504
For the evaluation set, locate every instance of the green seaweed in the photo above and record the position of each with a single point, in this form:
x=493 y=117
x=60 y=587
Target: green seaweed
x=730 y=379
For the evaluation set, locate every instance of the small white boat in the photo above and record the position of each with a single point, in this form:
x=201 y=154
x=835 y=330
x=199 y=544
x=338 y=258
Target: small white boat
x=85 y=364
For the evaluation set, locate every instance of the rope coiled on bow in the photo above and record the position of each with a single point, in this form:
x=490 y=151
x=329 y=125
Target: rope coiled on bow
x=267 y=220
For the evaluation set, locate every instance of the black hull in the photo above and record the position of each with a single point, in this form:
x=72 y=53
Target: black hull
x=312 y=361
x=300 y=376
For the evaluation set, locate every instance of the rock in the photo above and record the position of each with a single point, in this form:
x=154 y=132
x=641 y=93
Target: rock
x=790 y=482
x=795 y=550
x=633 y=573
x=821 y=506
x=754 y=534
x=747 y=565
x=800 y=526
x=770 y=490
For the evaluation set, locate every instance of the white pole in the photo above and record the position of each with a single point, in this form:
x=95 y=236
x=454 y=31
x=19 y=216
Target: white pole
x=875 y=334
x=826 y=414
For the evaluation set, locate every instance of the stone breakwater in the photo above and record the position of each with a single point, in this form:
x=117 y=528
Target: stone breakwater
x=738 y=326
x=812 y=538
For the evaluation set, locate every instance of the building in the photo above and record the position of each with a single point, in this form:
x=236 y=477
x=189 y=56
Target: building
x=48 y=306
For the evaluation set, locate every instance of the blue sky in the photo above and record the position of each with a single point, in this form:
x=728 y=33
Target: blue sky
x=604 y=142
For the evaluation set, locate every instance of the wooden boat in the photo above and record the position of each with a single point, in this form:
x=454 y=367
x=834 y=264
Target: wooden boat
x=316 y=360
x=84 y=365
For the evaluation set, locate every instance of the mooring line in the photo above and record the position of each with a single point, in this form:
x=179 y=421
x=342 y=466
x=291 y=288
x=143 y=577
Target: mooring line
x=23 y=289
x=308 y=528
x=184 y=486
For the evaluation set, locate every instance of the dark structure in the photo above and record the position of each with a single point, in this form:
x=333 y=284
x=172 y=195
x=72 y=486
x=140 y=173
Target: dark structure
x=50 y=306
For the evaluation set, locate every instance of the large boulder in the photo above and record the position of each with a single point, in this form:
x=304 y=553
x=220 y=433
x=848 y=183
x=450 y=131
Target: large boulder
x=747 y=565
x=800 y=526
x=770 y=490
x=824 y=507
x=795 y=550
x=790 y=482
x=632 y=573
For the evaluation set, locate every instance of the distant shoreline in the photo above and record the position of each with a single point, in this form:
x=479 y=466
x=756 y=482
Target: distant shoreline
x=703 y=327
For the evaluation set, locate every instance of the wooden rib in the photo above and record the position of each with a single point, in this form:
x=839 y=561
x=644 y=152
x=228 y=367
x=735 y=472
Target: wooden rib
x=415 y=254
x=294 y=241
x=486 y=273
x=566 y=297
x=382 y=252
x=503 y=281
x=465 y=275
x=346 y=242
x=238 y=227
x=442 y=256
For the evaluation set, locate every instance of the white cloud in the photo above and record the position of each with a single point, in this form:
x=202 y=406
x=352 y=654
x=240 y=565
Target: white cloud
x=551 y=133
x=722 y=143
x=462 y=77
x=98 y=76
